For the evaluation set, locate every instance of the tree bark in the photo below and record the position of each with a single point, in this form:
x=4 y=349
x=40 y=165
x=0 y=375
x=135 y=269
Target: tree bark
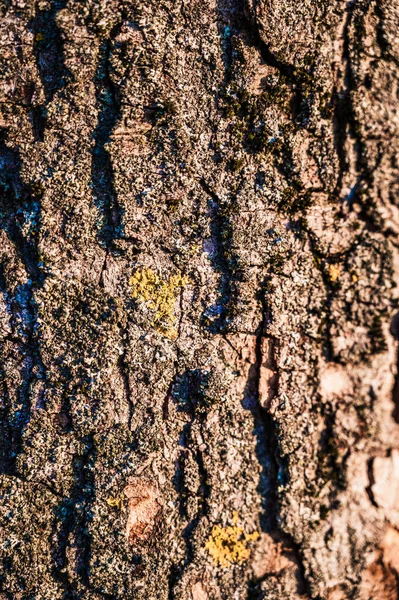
x=198 y=287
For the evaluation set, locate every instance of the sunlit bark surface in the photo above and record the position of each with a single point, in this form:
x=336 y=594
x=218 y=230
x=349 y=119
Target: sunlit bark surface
x=198 y=287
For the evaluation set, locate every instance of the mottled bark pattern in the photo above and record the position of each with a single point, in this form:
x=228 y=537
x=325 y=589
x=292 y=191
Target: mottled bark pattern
x=241 y=155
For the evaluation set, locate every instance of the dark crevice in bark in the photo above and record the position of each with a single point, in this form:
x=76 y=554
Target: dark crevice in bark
x=347 y=125
x=49 y=49
x=331 y=462
x=173 y=578
x=216 y=318
x=342 y=109
x=74 y=515
x=103 y=269
x=289 y=72
x=238 y=16
x=267 y=450
x=179 y=476
x=123 y=366
x=350 y=125
x=38 y=122
x=169 y=393
x=369 y=488
x=189 y=393
x=20 y=210
x=124 y=370
x=322 y=267
x=82 y=535
x=381 y=38
x=5 y=426
x=242 y=23
x=394 y=329
x=265 y=429
x=102 y=172
x=49 y=52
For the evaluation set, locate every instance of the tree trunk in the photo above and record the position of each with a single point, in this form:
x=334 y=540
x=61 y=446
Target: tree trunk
x=198 y=285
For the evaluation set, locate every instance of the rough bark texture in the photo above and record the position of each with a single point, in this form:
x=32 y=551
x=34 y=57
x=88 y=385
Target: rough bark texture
x=198 y=272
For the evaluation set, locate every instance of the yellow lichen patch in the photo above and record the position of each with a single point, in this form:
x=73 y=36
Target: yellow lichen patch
x=159 y=296
x=334 y=272
x=229 y=545
x=115 y=501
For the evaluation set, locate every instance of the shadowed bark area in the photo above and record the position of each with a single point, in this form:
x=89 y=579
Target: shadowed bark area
x=199 y=300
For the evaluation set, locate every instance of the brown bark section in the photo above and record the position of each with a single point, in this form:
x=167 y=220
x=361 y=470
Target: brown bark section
x=198 y=273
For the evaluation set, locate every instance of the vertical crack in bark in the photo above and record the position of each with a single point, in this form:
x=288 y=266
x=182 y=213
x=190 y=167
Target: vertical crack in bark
x=5 y=422
x=343 y=107
x=394 y=329
x=331 y=465
x=102 y=172
x=21 y=210
x=267 y=445
x=395 y=392
x=88 y=496
x=369 y=488
x=329 y=291
x=347 y=125
x=49 y=52
x=103 y=269
x=266 y=435
x=177 y=571
x=192 y=396
x=124 y=373
x=217 y=317
x=245 y=24
x=74 y=516
x=173 y=578
x=381 y=37
x=242 y=24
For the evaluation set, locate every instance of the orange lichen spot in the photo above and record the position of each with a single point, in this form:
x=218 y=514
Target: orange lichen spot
x=144 y=508
x=334 y=272
x=159 y=296
x=229 y=545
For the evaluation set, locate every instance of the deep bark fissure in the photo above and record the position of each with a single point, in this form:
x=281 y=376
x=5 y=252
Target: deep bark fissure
x=49 y=52
x=349 y=126
x=342 y=109
x=216 y=318
x=196 y=408
x=369 y=488
x=123 y=367
x=322 y=266
x=394 y=330
x=6 y=432
x=102 y=172
x=331 y=465
x=20 y=207
x=124 y=372
x=49 y=49
x=242 y=24
x=74 y=516
x=267 y=452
